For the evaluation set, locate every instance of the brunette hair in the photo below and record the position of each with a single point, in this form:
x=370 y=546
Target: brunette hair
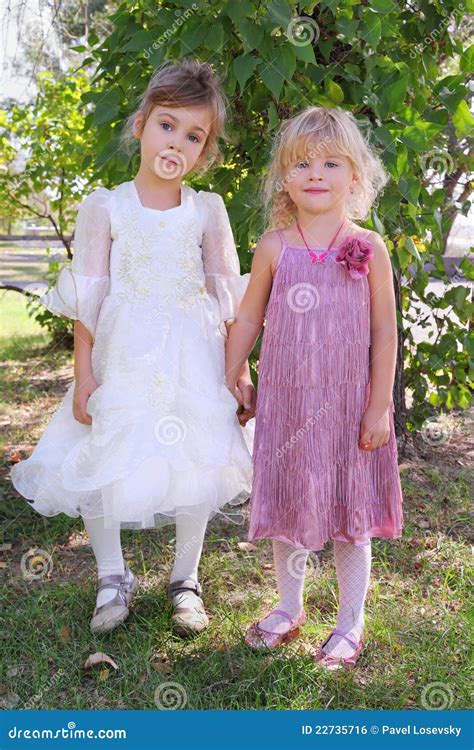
x=186 y=83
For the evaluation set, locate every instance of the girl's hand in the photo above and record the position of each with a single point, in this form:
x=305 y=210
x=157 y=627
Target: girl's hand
x=374 y=429
x=247 y=399
x=83 y=390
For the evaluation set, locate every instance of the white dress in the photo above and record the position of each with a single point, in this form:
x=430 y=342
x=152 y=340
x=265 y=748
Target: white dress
x=154 y=289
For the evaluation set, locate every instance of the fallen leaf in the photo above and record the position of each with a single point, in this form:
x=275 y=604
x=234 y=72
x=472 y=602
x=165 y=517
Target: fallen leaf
x=3 y=565
x=99 y=658
x=247 y=546
x=9 y=699
x=15 y=457
x=103 y=674
x=65 y=634
x=5 y=547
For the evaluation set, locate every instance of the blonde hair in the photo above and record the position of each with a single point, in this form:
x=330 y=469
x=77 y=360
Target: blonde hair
x=186 y=83
x=328 y=127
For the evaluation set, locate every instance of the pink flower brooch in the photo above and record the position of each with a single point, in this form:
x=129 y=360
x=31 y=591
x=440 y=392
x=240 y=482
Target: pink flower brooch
x=354 y=254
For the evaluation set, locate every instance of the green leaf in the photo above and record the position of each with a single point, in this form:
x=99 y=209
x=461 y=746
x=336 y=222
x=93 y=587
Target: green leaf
x=252 y=34
x=463 y=120
x=305 y=53
x=420 y=135
x=334 y=91
x=409 y=187
x=214 y=38
x=273 y=79
x=412 y=248
x=280 y=12
x=466 y=62
x=285 y=61
x=140 y=41
x=371 y=28
x=382 y=6
x=238 y=11
x=393 y=94
x=244 y=67
x=273 y=119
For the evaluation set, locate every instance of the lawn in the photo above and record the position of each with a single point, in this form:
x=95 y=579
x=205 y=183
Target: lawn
x=417 y=615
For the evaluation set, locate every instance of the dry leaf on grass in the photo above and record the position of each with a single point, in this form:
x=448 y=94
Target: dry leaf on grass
x=65 y=634
x=159 y=663
x=99 y=658
x=247 y=546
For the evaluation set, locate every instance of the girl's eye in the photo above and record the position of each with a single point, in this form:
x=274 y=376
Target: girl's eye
x=196 y=139
x=165 y=125
x=302 y=164
x=332 y=162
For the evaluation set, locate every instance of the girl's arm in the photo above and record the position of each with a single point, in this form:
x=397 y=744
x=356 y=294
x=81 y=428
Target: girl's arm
x=244 y=332
x=375 y=425
x=85 y=383
x=81 y=289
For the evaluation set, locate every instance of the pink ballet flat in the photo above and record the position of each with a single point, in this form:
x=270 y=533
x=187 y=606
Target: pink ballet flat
x=336 y=662
x=258 y=638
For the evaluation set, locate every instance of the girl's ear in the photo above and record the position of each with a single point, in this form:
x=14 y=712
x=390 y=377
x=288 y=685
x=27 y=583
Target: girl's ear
x=138 y=125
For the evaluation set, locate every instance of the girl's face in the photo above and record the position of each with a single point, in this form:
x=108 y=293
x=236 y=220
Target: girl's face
x=319 y=181
x=173 y=139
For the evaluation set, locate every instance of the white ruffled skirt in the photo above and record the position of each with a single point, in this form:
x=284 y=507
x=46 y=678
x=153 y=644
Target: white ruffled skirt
x=165 y=437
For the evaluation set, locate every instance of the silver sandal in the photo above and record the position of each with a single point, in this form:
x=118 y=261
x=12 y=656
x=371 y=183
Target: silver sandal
x=113 y=613
x=188 y=620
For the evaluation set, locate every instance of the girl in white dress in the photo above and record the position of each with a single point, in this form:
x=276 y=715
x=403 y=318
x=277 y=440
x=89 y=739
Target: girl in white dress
x=148 y=432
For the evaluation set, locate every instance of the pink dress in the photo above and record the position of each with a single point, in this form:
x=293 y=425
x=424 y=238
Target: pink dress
x=312 y=482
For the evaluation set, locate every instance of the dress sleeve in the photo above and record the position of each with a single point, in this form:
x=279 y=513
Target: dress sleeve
x=220 y=259
x=81 y=286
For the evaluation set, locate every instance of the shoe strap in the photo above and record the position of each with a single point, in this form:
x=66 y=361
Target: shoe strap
x=187 y=584
x=338 y=631
x=279 y=612
x=115 y=578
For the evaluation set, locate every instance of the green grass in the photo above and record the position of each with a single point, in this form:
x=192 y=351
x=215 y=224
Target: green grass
x=24 y=263
x=417 y=614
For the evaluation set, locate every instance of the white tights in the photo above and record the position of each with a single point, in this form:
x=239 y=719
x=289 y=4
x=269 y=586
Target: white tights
x=107 y=548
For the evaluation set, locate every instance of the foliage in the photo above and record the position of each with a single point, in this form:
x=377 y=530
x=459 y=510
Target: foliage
x=43 y=150
x=399 y=67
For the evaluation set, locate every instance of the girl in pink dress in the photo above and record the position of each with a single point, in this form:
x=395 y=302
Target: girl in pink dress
x=325 y=452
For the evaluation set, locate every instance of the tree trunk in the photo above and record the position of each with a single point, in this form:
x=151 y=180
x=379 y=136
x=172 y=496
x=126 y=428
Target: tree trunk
x=399 y=402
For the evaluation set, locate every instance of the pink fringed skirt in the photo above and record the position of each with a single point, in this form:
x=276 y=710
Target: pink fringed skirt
x=312 y=482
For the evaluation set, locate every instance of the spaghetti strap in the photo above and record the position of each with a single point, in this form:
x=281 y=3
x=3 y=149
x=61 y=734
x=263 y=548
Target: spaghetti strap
x=283 y=247
x=282 y=238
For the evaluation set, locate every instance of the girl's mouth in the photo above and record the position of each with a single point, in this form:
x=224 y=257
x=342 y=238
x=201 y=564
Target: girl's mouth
x=316 y=190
